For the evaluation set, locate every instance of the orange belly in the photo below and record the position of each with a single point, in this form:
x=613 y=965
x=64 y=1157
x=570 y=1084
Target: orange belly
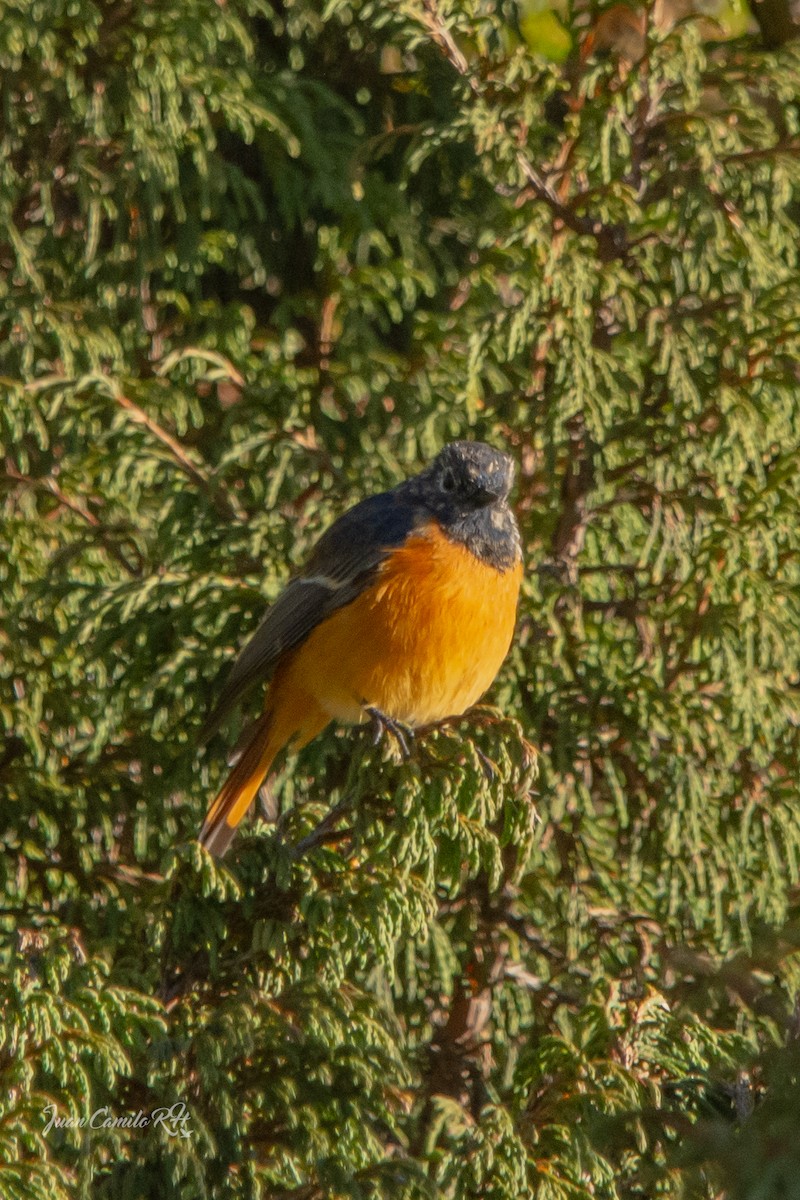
x=423 y=642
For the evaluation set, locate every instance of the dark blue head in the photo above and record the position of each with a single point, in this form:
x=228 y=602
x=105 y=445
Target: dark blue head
x=466 y=489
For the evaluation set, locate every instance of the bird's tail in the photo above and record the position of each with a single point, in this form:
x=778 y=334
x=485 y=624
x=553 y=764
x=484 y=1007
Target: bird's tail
x=237 y=792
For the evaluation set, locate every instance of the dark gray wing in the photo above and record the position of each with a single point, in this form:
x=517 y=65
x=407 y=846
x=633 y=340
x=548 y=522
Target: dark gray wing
x=343 y=562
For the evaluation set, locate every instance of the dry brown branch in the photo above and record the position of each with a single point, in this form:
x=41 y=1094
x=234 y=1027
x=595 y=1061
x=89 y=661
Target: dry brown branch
x=224 y=503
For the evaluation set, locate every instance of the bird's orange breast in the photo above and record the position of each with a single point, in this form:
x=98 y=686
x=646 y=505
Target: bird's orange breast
x=422 y=642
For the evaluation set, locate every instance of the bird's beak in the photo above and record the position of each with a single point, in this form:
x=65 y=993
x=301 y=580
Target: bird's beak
x=484 y=496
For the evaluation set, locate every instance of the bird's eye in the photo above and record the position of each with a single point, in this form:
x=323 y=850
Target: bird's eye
x=448 y=481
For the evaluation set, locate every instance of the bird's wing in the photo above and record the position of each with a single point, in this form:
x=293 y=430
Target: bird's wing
x=342 y=564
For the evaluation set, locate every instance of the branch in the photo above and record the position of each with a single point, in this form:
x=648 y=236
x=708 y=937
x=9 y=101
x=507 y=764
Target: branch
x=324 y=832
x=576 y=484
x=219 y=498
x=48 y=484
x=681 y=662
x=611 y=240
x=676 y=176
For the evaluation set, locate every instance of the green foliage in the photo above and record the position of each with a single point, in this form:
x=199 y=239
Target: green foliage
x=259 y=260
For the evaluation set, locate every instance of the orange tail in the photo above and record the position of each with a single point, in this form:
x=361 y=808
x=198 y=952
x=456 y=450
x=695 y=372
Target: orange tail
x=237 y=792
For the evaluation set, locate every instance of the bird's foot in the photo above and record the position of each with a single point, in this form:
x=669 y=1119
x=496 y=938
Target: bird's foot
x=488 y=767
x=382 y=724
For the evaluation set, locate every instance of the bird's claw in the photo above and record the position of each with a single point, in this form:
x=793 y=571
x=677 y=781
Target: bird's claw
x=488 y=767
x=383 y=724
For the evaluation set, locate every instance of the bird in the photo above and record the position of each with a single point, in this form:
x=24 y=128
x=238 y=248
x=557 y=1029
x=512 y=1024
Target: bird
x=402 y=616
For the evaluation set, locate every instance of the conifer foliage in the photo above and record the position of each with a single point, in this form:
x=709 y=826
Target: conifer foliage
x=259 y=260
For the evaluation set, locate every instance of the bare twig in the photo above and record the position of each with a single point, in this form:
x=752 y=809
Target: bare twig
x=48 y=484
x=224 y=503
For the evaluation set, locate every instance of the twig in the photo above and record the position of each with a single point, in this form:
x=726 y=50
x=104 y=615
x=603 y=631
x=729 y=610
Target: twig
x=49 y=484
x=790 y=147
x=323 y=832
x=224 y=504
x=609 y=238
